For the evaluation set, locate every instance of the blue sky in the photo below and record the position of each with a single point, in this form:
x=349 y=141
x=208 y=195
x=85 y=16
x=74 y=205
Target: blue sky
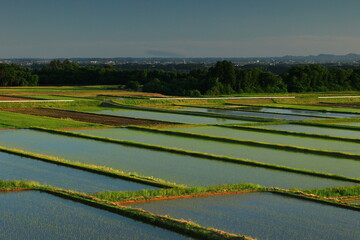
x=178 y=28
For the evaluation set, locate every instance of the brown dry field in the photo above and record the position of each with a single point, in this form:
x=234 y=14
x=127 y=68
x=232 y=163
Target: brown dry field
x=86 y=117
x=90 y=93
x=5 y=98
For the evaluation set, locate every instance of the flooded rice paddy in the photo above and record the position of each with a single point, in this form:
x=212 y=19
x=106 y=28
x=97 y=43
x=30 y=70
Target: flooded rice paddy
x=172 y=167
x=264 y=216
x=171 y=117
x=307 y=112
x=34 y=215
x=294 y=159
x=250 y=113
x=315 y=130
x=277 y=138
x=15 y=168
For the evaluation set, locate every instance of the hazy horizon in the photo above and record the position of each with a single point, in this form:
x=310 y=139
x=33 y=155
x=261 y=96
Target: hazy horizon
x=184 y=29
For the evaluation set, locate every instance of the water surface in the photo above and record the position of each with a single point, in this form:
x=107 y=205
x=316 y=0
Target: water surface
x=15 y=168
x=172 y=167
x=316 y=130
x=264 y=216
x=309 y=112
x=34 y=215
x=278 y=138
x=294 y=159
x=249 y=114
x=171 y=117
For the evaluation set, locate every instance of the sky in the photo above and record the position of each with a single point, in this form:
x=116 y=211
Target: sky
x=178 y=28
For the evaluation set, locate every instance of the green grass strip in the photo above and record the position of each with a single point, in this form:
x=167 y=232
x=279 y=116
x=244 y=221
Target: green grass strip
x=301 y=134
x=314 y=198
x=201 y=154
x=17 y=184
x=92 y=168
x=201 y=114
x=253 y=143
x=146 y=194
x=336 y=191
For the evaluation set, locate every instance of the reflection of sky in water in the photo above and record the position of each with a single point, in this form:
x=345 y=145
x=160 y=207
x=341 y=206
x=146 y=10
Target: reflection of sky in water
x=264 y=216
x=249 y=114
x=35 y=215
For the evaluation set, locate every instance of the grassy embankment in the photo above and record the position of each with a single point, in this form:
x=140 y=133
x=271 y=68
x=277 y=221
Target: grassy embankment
x=292 y=133
x=147 y=195
x=203 y=155
x=180 y=226
x=173 y=194
x=93 y=168
x=252 y=143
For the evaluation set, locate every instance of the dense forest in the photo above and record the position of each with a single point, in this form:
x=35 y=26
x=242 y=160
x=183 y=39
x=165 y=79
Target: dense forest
x=222 y=78
x=14 y=75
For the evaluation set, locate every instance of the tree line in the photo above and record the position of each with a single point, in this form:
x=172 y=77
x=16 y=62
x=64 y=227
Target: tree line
x=222 y=78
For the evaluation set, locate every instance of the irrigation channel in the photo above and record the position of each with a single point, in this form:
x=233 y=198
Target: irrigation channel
x=301 y=160
x=171 y=117
x=250 y=113
x=182 y=169
x=35 y=215
x=14 y=168
x=315 y=130
x=264 y=216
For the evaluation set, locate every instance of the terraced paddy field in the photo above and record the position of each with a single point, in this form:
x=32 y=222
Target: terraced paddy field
x=177 y=168
x=251 y=113
x=35 y=215
x=264 y=216
x=83 y=157
x=352 y=124
x=15 y=168
x=171 y=117
x=298 y=159
x=315 y=130
x=275 y=138
x=307 y=112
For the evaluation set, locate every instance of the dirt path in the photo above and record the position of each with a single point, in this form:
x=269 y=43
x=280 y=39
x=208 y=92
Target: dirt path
x=86 y=117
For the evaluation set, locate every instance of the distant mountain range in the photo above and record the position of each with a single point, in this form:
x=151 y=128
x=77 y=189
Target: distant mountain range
x=350 y=58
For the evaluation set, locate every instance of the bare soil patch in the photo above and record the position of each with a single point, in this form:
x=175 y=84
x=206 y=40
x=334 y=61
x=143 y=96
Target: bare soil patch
x=5 y=98
x=86 y=117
